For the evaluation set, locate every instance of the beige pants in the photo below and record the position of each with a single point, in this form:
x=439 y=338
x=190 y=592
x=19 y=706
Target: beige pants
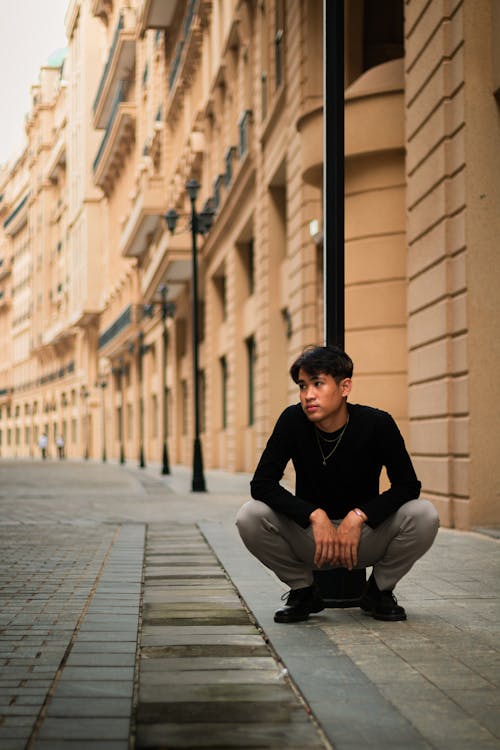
x=288 y=549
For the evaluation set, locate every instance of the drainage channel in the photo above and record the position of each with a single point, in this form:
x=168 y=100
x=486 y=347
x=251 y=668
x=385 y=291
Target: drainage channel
x=207 y=677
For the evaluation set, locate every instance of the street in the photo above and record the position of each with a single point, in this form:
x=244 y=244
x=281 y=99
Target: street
x=132 y=616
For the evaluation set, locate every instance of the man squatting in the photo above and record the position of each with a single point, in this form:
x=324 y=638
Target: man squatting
x=337 y=516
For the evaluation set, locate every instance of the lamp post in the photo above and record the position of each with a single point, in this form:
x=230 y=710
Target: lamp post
x=167 y=310
x=102 y=384
x=141 y=350
x=85 y=395
x=120 y=370
x=200 y=224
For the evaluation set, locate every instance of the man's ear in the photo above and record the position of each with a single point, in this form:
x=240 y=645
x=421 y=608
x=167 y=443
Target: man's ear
x=346 y=386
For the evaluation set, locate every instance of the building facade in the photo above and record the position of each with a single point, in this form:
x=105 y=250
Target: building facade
x=155 y=93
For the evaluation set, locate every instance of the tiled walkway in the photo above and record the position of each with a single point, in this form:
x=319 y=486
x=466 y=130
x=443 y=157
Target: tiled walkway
x=122 y=627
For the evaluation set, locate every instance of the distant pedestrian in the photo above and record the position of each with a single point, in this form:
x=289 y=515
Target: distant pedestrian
x=42 y=444
x=337 y=515
x=60 y=446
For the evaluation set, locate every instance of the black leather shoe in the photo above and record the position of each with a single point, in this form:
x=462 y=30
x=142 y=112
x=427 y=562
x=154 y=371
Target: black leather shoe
x=300 y=603
x=381 y=605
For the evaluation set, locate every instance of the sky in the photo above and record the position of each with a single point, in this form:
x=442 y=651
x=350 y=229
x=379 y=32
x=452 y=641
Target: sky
x=30 y=30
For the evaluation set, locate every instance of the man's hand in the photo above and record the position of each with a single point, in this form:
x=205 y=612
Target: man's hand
x=325 y=538
x=349 y=534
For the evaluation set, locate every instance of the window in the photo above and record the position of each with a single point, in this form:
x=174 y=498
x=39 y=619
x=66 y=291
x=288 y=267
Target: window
x=74 y=430
x=202 y=394
x=130 y=421
x=220 y=288
x=383 y=26
x=184 y=391
x=154 y=416
x=224 y=382
x=251 y=357
x=264 y=55
x=278 y=41
x=119 y=423
x=246 y=251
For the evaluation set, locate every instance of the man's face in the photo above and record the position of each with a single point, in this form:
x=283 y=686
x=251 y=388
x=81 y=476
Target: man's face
x=323 y=399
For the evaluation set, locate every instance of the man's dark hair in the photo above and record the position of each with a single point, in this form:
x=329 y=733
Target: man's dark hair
x=329 y=360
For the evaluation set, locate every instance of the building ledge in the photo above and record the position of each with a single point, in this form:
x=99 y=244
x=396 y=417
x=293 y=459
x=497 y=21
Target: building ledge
x=156 y=14
x=120 y=66
x=116 y=144
x=147 y=206
x=17 y=218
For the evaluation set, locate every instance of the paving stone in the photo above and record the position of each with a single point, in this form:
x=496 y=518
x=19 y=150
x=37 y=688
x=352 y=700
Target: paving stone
x=91 y=707
x=78 y=728
x=81 y=745
x=263 y=735
x=103 y=659
x=211 y=664
x=97 y=674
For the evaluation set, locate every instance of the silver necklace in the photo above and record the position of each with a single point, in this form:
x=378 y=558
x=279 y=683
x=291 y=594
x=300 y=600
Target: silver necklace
x=335 y=440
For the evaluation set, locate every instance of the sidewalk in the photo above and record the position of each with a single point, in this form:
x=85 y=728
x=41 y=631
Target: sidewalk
x=122 y=626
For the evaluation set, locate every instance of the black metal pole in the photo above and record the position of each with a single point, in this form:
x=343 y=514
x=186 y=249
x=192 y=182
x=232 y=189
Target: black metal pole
x=140 y=353
x=333 y=172
x=122 y=416
x=103 y=386
x=338 y=587
x=86 y=423
x=198 y=480
x=165 y=469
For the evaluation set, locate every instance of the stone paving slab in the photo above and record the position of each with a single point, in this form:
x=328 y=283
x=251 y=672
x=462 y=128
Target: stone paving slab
x=249 y=736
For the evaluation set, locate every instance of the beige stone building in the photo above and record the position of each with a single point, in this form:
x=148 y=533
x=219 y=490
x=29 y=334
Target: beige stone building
x=154 y=93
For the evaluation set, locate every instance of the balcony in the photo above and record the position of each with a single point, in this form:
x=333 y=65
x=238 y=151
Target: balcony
x=17 y=218
x=57 y=159
x=5 y=265
x=148 y=204
x=119 y=67
x=117 y=140
x=5 y=301
x=58 y=334
x=156 y=14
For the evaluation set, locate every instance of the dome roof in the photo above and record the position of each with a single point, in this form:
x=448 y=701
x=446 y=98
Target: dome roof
x=57 y=58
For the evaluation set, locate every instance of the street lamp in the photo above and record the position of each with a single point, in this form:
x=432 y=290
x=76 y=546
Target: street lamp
x=102 y=384
x=142 y=348
x=120 y=371
x=167 y=310
x=200 y=224
x=85 y=395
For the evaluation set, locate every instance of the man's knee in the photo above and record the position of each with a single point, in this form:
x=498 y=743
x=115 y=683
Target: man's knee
x=250 y=517
x=424 y=519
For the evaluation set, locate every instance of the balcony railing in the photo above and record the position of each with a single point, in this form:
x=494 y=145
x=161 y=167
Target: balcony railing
x=123 y=320
x=16 y=211
x=243 y=126
x=112 y=49
x=217 y=188
x=120 y=97
x=228 y=174
x=186 y=27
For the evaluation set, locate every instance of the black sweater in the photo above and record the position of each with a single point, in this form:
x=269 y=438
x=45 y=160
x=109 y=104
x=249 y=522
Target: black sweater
x=351 y=476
